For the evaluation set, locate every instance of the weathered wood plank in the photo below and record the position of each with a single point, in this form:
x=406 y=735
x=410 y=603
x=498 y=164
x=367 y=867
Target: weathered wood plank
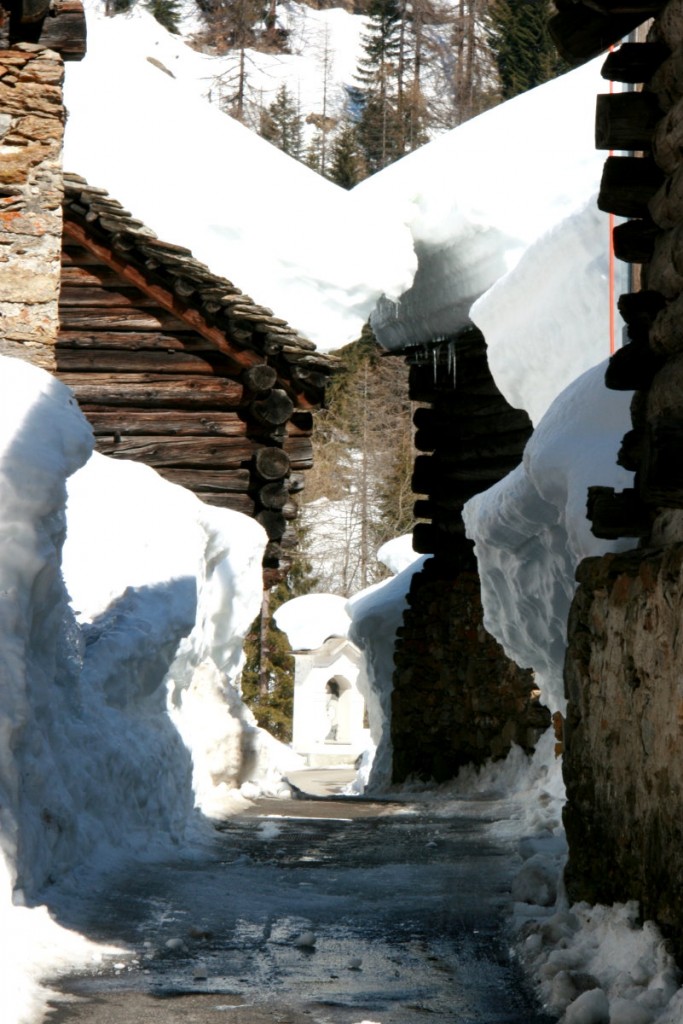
x=626 y=120
x=235 y=502
x=119 y=318
x=95 y=275
x=152 y=340
x=155 y=390
x=125 y=361
x=208 y=480
x=91 y=296
x=171 y=422
x=299 y=451
x=215 y=452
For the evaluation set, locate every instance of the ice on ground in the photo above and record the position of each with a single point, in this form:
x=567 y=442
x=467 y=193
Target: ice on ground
x=530 y=530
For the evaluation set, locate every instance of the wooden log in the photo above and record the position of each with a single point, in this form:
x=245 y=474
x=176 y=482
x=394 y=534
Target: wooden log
x=233 y=481
x=154 y=390
x=615 y=514
x=150 y=340
x=120 y=318
x=168 y=422
x=666 y=332
x=260 y=378
x=94 y=296
x=626 y=120
x=63 y=29
x=632 y=368
x=431 y=477
x=274 y=495
x=428 y=539
x=665 y=270
x=217 y=452
x=634 y=240
x=273 y=522
x=628 y=183
x=124 y=361
x=641 y=307
x=580 y=33
x=466 y=447
x=634 y=62
x=667 y=81
x=271 y=463
x=667 y=140
x=236 y=502
x=273 y=410
x=94 y=275
x=459 y=415
x=300 y=452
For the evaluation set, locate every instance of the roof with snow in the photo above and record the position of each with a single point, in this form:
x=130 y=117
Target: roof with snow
x=244 y=330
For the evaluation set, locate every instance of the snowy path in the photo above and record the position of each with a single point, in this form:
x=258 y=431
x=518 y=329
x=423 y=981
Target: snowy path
x=406 y=910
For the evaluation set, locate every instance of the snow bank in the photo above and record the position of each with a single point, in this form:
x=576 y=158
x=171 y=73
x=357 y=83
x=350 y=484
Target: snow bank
x=376 y=614
x=539 y=338
x=477 y=197
x=117 y=721
x=530 y=530
x=293 y=240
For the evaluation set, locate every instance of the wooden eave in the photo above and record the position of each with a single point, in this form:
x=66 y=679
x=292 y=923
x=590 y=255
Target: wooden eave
x=582 y=29
x=246 y=333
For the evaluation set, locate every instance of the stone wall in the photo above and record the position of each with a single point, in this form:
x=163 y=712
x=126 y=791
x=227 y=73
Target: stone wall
x=457 y=698
x=31 y=133
x=623 y=762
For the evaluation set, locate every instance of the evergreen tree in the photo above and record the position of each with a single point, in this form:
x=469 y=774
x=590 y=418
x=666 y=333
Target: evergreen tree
x=281 y=124
x=518 y=37
x=379 y=129
x=166 y=12
x=347 y=166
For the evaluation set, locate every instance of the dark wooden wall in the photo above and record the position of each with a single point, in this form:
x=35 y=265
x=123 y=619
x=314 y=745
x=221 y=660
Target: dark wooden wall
x=157 y=392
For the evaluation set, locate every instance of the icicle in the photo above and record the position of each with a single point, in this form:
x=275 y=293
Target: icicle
x=435 y=361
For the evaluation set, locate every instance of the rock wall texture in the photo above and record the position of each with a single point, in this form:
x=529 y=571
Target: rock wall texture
x=31 y=133
x=623 y=763
x=457 y=698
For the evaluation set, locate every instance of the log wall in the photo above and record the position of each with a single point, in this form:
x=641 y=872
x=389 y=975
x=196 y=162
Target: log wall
x=158 y=392
x=457 y=698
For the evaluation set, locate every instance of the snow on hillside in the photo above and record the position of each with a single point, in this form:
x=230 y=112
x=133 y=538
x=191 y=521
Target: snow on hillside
x=288 y=237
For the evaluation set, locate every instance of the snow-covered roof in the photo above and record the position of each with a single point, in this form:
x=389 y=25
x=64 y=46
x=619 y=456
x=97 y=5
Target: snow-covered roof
x=296 y=242
x=310 y=619
x=249 y=333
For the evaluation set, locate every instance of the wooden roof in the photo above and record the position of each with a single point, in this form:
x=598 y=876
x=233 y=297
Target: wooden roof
x=243 y=331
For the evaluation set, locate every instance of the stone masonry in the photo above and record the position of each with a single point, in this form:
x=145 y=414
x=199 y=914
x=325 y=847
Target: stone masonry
x=457 y=698
x=624 y=734
x=31 y=133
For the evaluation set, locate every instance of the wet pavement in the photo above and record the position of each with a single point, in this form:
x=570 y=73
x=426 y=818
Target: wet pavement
x=323 y=911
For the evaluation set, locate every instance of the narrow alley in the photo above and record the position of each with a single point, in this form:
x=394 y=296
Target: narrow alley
x=319 y=910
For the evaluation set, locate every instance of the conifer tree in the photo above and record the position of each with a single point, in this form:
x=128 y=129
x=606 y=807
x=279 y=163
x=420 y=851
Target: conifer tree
x=281 y=124
x=166 y=12
x=347 y=166
x=518 y=36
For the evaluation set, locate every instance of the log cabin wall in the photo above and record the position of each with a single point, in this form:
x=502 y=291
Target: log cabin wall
x=623 y=759
x=175 y=367
x=457 y=698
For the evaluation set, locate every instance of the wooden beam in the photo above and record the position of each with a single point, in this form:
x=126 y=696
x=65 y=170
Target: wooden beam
x=634 y=62
x=241 y=358
x=627 y=185
x=178 y=452
x=626 y=120
x=127 y=422
x=148 y=390
x=581 y=33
